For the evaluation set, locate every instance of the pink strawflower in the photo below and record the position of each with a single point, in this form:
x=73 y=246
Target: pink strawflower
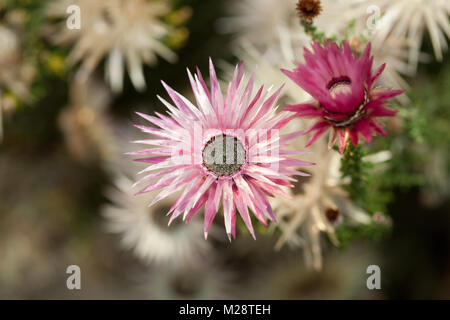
x=343 y=86
x=226 y=150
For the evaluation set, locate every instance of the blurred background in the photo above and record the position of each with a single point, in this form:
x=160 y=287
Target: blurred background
x=68 y=102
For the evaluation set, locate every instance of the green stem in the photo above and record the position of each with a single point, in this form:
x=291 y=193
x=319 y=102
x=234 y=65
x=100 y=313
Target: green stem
x=311 y=30
x=352 y=166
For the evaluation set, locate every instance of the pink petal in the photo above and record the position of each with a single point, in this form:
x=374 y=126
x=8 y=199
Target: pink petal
x=243 y=211
x=262 y=203
x=203 y=189
x=210 y=210
x=228 y=207
x=320 y=128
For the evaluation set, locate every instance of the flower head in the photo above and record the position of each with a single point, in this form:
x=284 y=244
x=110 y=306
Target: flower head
x=125 y=32
x=307 y=10
x=346 y=98
x=144 y=229
x=406 y=20
x=224 y=150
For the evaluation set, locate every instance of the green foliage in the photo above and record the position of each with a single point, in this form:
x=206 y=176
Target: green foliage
x=427 y=119
x=367 y=191
x=372 y=232
x=311 y=30
x=365 y=187
x=353 y=167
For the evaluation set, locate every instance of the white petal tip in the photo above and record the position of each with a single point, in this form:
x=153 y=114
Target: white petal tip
x=153 y=202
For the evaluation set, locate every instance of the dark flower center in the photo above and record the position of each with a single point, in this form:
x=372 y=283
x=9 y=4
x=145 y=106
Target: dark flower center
x=308 y=9
x=224 y=155
x=332 y=214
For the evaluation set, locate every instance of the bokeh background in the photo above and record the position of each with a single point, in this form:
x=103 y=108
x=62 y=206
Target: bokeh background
x=64 y=139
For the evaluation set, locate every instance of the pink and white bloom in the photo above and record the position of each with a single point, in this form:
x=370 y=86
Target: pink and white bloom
x=225 y=150
x=346 y=98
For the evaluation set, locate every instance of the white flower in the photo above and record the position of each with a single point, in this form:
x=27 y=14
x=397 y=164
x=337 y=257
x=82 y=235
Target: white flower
x=407 y=21
x=126 y=32
x=144 y=229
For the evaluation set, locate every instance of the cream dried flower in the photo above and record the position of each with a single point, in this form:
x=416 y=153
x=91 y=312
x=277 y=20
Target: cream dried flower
x=319 y=204
x=144 y=229
x=125 y=32
x=404 y=20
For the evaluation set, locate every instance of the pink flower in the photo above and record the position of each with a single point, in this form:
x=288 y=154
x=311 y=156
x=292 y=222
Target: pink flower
x=226 y=150
x=343 y=86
